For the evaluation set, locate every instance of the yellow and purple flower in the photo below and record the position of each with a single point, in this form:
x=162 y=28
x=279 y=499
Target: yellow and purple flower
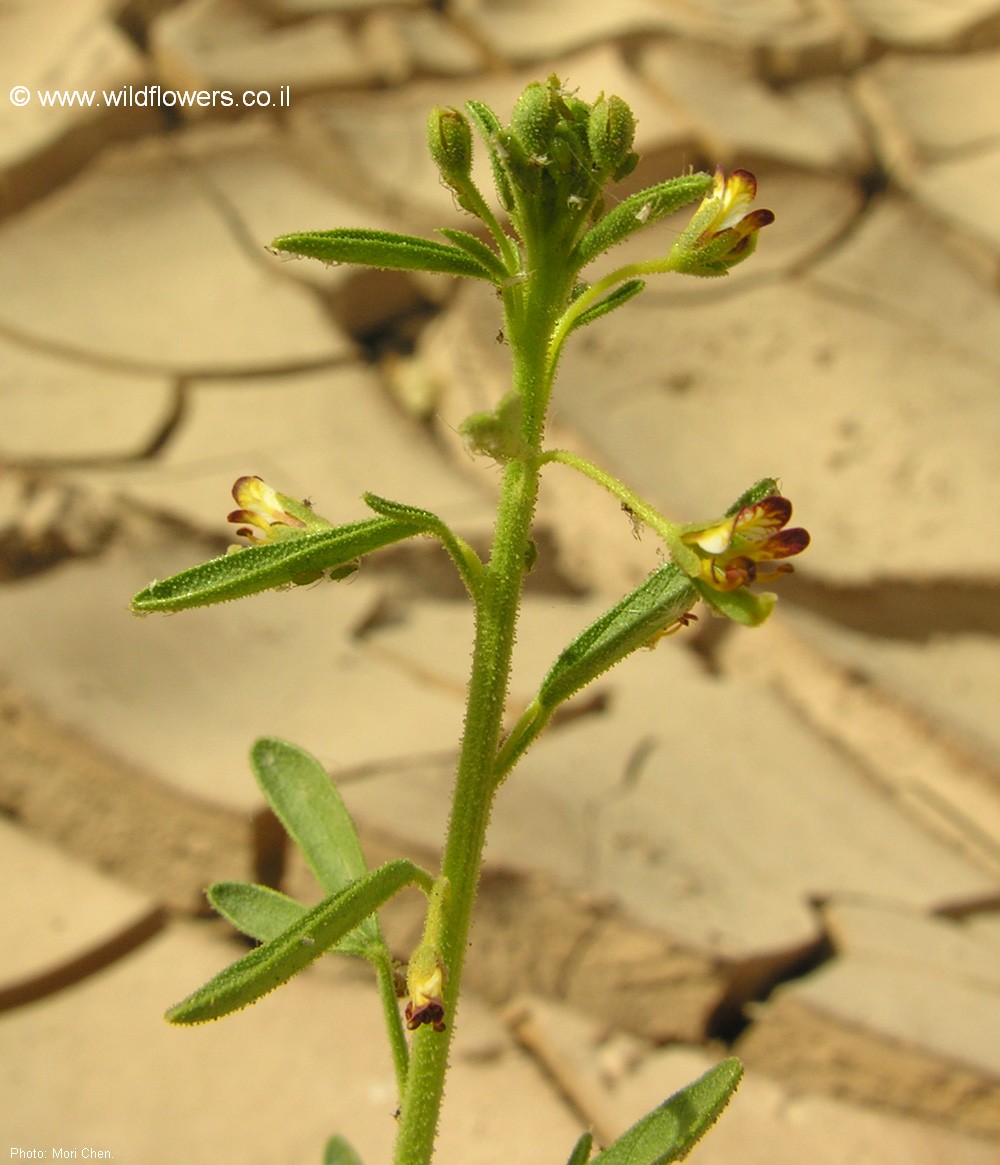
x=268 y=516
x=723 y=230
x=750 y=544
x=426 y=986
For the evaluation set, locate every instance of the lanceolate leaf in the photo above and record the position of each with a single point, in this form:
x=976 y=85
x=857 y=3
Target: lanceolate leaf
x=621 y=295
x=308 y=805
x=631 y=623
x=404 y=512
x=749 y=608
x=581 y=1151
x=756 y=493
x=263 y=914
x=634 y=622
x=257 y=911
x=339 y=1152
x=274 y=963
x=638 y=211
x=465 y=558
x=669 y=1132
x=273 y=564
x=480 y=251
x=488 y=125
x=383 y=249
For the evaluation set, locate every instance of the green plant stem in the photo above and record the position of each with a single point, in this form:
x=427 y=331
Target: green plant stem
x=495 y=625
x=394 y=1023
x=530 y=312
x=667 y=530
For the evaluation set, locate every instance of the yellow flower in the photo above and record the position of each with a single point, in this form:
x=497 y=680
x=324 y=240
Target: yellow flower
x=723 y=231
x=426 y=1005
x=268 y=516
x=748 y=546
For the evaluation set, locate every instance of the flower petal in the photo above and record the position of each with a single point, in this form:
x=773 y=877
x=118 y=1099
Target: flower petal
x=735 y=193
x=763 y=519
x=784 y=544
x=263 y=507
x=712 y=539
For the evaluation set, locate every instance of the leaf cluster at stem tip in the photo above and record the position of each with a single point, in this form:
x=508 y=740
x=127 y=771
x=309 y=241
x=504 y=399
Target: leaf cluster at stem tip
x=552 y=213
x=552 y=167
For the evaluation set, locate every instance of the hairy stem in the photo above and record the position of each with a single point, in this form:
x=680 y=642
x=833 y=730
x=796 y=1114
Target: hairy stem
x=394 y=1023
x=636 y=505
x=530 y=312
x=496 y=619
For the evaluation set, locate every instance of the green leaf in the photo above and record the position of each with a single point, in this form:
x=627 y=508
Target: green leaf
x=257 y=911
x=274 y=564
x=488 y=125
x=339 y=1152
x=383 y=249
x=743 y=606
x=669 y=1132
x=478 y=250
x=263 y=913
x=465 y=558
x=307 y=804
x=631 y=623
x=639 y=211
x=621 y=295
x=581 y=1151
x=765 y=488
x=404 y=512
x=268 y=966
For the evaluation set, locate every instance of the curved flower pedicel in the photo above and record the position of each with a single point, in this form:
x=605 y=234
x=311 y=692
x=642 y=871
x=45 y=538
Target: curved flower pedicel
x=748 y=545
x=723 y=230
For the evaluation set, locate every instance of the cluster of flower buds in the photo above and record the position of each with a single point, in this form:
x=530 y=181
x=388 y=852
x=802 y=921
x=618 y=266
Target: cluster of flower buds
x=550 y=165
x=553 y=161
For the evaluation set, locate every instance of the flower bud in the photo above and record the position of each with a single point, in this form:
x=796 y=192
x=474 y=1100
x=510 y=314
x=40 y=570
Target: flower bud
x=610 y=132
x=425 y=983
x=496 y=434
x=533 y=121
x=426 y=974
x=449 y=140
